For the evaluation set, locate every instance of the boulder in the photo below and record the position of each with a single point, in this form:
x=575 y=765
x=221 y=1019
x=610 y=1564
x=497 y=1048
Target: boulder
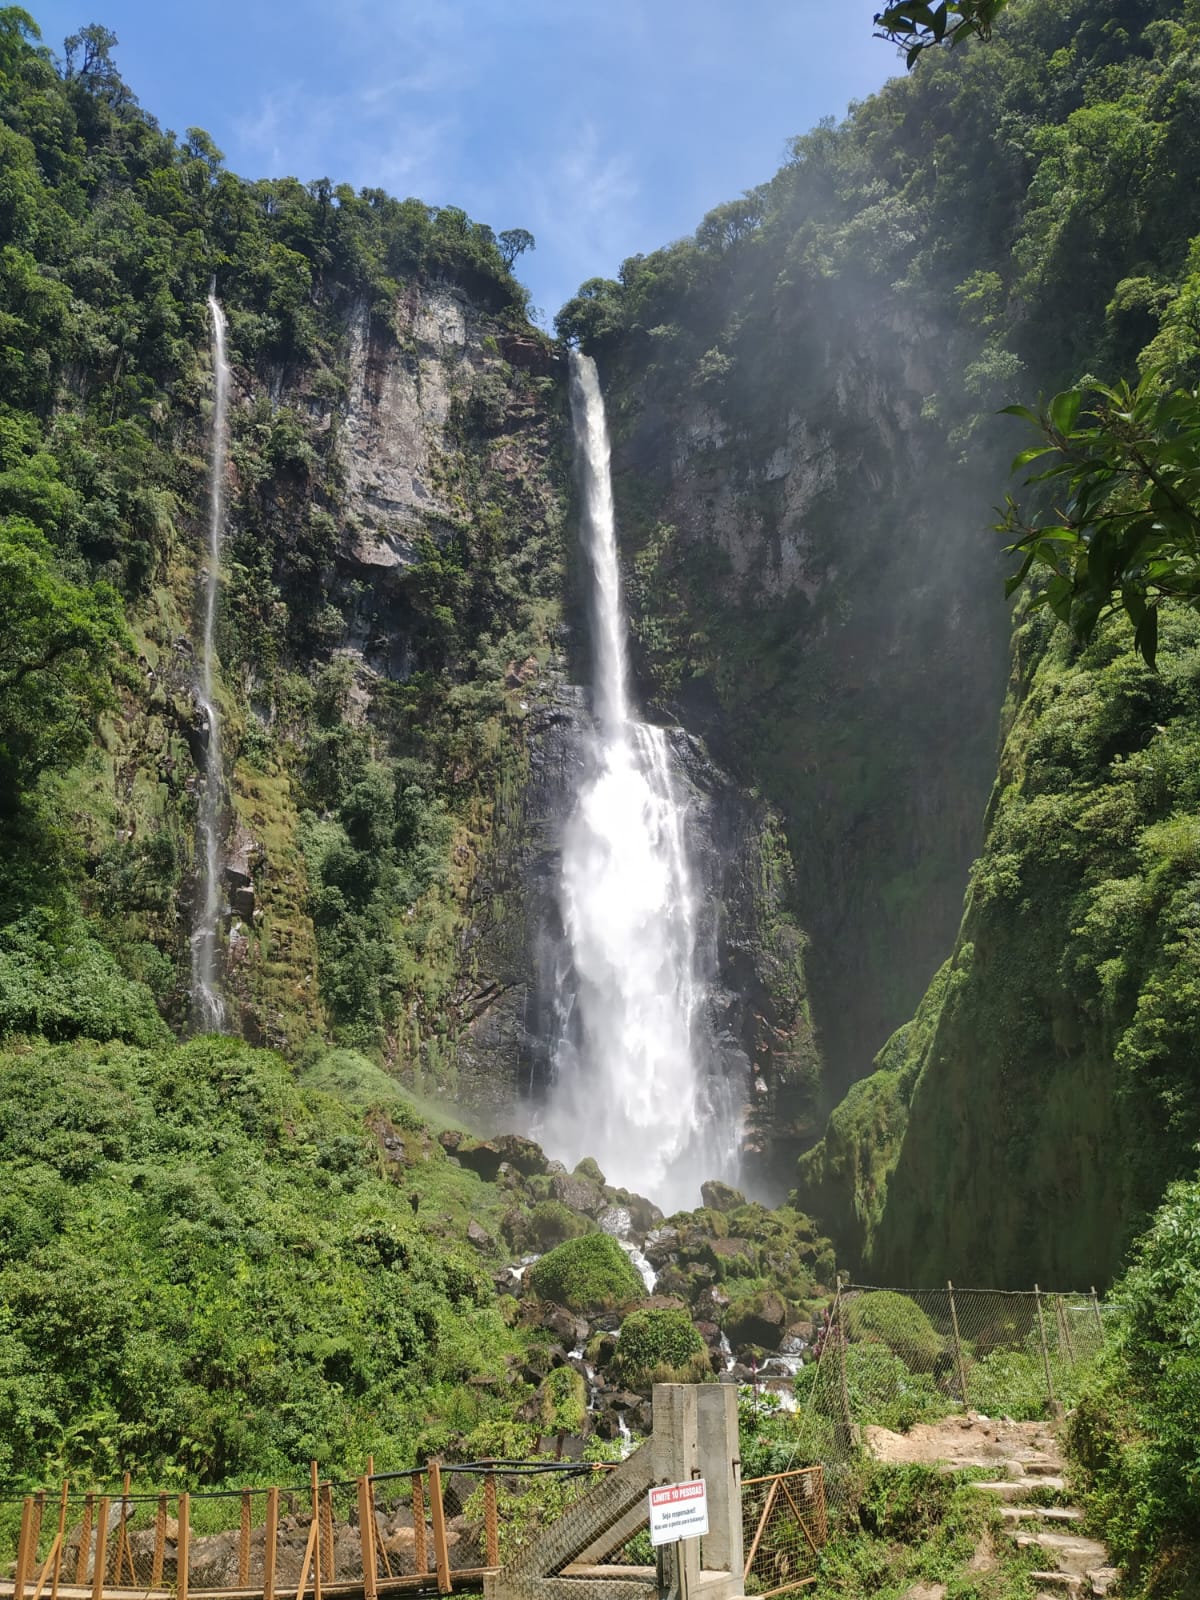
x=479 y=1237
x=578 y=1193
x=564 y=1325
x=661 y=1244
x=719 y=1196
x=756 y=1319
x=528 y=1158
x=482 y=1157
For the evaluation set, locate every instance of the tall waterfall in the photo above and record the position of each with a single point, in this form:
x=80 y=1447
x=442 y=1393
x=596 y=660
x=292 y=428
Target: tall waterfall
x=629 y=1082
x=208 y=1008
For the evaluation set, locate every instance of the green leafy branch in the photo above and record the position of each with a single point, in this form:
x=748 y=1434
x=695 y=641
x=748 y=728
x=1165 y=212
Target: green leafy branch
x=1121 y=531
x=915 y=25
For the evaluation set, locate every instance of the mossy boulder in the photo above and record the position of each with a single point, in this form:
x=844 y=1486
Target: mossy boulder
x=590 y=1274
x=757 y=1319
x=885 y=1317
x=545 y=1225
x=659 y=1346
x=719 y=1196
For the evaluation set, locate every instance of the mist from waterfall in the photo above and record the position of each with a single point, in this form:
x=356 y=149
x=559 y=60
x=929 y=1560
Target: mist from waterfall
x=208 y=1007
x=629 y=1083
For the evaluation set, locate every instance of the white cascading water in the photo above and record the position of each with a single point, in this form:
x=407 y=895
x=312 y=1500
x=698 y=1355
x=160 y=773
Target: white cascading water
x=628 y=1087
x=208 y=1008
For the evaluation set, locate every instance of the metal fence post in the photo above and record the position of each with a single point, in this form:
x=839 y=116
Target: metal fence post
x=1037 y=1295
x=958 y=1355
x=843 y=1345
x=1096 y=1311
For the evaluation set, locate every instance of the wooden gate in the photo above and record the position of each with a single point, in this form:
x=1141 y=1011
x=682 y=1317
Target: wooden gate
x=784 y=1526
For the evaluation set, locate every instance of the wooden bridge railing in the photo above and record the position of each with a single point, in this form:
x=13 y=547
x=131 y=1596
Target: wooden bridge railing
x=434 y=1528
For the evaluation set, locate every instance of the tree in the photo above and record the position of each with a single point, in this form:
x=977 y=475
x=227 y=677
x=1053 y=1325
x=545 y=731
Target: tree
x=915 y=24
x=59 y=645
x=514 y=242
x=1121 y=526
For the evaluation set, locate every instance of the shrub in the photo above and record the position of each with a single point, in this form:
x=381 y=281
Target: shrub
x=885 y=1317
x=1133 y=1437
x=659 y=1347
x=589 y=1274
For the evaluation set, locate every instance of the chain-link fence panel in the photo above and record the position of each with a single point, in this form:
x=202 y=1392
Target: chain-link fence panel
x=903 y=1356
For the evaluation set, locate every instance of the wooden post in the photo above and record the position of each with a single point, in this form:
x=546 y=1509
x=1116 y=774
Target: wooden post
x=244 y=1541
x=327 y=1544
x=85 y=1540
x=1096 y=1312
x=160 y=1543
x=270 y=1542
x=1037 y=1295
x=101 y=1561
x=316 y=1529
x=437 y=1514
x=366 y=1539
x=958 y=1355
x=39 y=1507
x=420 y=1546
x=123 y=1550
x=25 y=1557
x=183 y=1559
x=62 y=1534
x=310 y=1550
x=491 y=1520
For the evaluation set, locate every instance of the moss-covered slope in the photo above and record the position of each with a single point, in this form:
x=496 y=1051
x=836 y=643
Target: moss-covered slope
x=1027 y=1121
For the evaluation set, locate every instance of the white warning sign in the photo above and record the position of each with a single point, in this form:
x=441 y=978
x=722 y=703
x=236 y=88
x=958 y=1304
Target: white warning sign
x=678 y=1511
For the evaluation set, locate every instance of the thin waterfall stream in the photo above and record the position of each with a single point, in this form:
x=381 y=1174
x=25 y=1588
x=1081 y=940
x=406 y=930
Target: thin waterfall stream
x=208 y=1006
x=630 y=1081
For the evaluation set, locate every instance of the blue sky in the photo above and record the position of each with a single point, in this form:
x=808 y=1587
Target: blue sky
x=605 y=127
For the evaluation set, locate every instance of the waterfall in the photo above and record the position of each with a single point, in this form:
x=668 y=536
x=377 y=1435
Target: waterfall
x=208 y=1006
x=630 y=1085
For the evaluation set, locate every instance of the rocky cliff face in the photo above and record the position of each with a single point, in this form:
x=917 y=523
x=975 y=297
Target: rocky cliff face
x=809 y=594
x=392 y=625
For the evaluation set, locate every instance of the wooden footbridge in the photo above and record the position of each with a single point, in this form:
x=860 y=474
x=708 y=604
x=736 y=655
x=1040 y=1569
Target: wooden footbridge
x=436 y=1530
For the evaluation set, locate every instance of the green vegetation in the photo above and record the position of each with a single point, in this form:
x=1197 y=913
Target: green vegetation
x=205 y=1275
x=111 y=231
x=659 y=1346
x=898 y=1322
x=1124 y=533
x=1133 y=1438
x=587 y=1274
x=916 y=1526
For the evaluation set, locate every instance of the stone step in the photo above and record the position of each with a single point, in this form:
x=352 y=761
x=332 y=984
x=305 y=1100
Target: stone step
x=1015 y=1490
x=1041 y=1513
x=1039 y=1465
x=1072 y=1552
x=1102 y=1580
x=1060 y=1582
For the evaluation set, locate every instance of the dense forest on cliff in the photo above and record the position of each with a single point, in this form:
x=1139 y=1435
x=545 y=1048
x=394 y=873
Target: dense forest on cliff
x=803 y=401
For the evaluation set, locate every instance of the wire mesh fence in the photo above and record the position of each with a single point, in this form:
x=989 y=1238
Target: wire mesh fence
x=903 y=1356
x=784 y=1525
x=894 y=1358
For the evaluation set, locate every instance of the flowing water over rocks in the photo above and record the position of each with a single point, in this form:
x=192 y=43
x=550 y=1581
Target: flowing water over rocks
x=636 y=1081
x=208 y=1007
